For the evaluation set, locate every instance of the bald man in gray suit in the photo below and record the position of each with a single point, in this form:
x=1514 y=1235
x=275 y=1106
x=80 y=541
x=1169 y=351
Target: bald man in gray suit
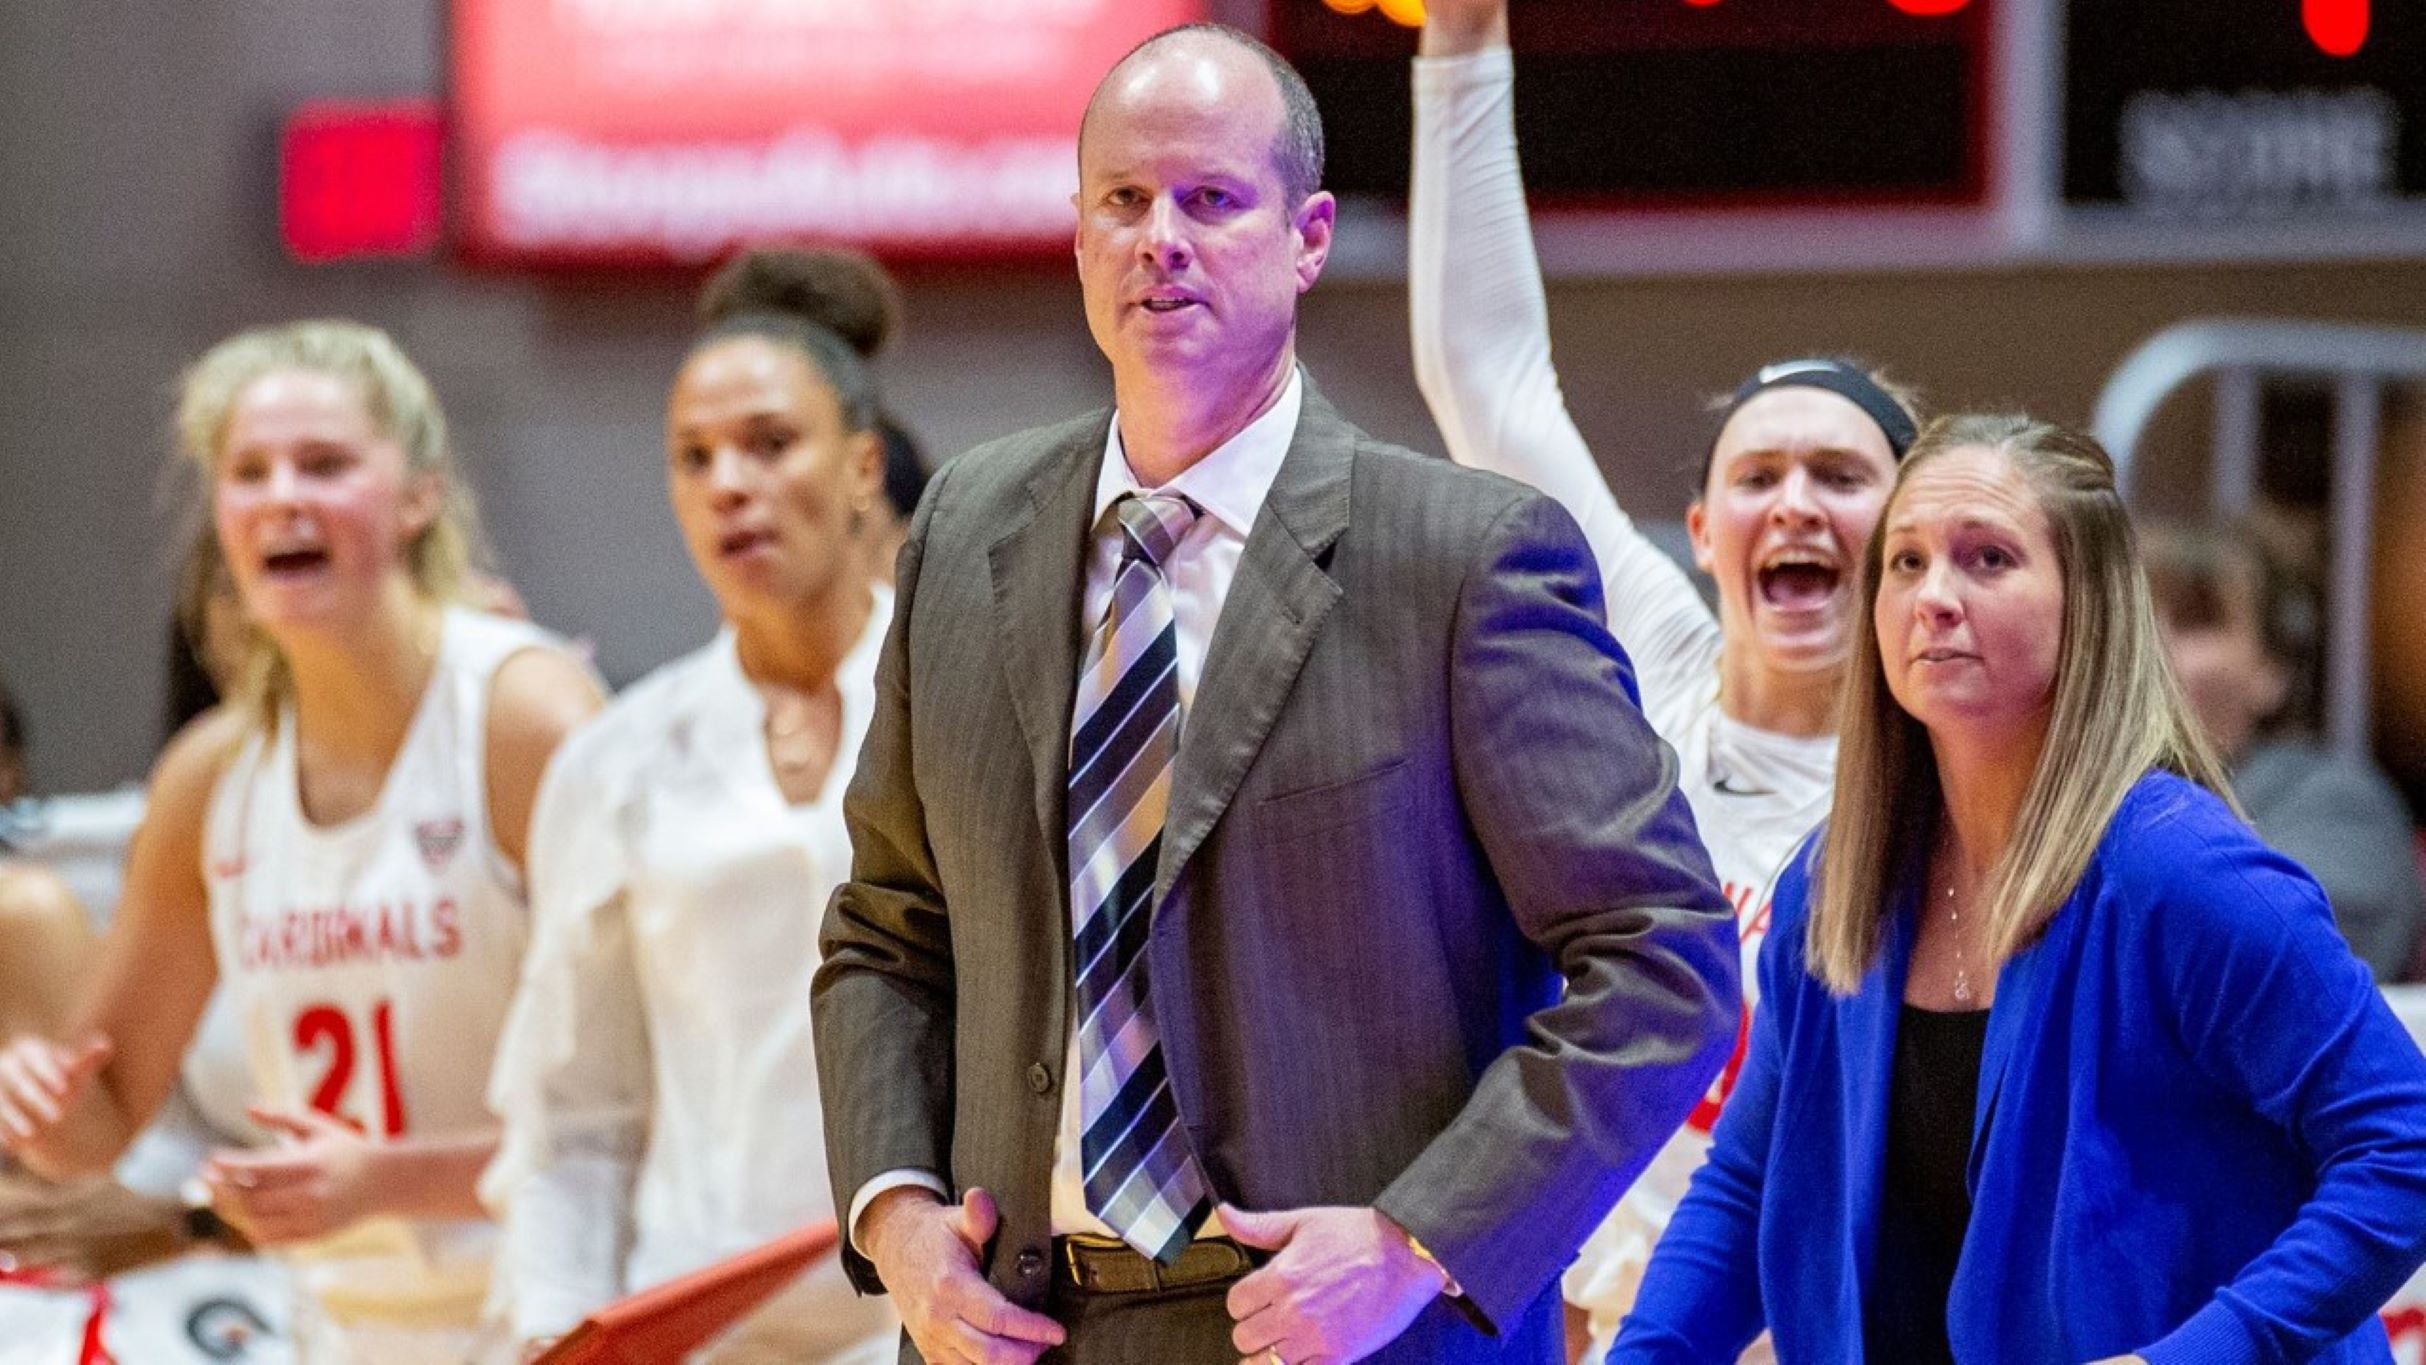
x=1274 y=931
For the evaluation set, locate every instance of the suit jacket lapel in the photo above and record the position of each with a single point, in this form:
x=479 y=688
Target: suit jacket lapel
x=1037 y=563
x=1274 y=610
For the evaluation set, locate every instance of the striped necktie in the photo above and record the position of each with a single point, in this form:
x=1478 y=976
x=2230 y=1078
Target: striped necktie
x=1141 y=1177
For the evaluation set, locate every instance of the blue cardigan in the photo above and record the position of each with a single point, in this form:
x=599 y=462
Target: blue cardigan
x=2201 y=1133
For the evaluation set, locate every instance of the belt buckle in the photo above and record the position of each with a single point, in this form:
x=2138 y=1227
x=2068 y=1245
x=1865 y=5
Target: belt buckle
x=1074 y=1249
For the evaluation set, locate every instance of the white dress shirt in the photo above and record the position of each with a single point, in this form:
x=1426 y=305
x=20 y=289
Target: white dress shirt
x=1228 y=487
x=658 y=1077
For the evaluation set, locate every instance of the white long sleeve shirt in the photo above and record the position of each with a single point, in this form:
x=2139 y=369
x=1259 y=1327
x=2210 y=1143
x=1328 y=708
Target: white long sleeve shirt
x=658 y=1079
x=1481 y=332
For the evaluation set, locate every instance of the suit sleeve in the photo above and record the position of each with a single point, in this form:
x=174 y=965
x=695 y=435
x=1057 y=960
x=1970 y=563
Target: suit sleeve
x=1574 y=801
x=883 y=999
x=2272 y=1006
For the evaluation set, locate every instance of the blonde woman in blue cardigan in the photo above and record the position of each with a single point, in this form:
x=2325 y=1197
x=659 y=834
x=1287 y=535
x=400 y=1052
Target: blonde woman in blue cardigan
x=2057 y=1062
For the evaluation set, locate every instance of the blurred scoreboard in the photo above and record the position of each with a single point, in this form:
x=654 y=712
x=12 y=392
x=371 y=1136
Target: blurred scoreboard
x=1690 y=104
x=2244 y=111
x=668 y=131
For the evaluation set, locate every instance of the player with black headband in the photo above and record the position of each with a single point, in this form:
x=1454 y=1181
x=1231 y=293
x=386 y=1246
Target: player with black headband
x=1794 y=480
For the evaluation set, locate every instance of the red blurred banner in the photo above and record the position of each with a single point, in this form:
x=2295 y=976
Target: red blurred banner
x=360 y=179
x=622 y=131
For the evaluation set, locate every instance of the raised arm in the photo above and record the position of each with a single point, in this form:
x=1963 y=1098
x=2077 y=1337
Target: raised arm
x=1481 y=331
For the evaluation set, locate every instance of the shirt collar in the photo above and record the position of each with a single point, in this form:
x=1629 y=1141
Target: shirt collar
x=1230 y=482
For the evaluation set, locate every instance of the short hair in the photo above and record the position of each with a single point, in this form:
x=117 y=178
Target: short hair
x=2116 y=713
x=1297 y=153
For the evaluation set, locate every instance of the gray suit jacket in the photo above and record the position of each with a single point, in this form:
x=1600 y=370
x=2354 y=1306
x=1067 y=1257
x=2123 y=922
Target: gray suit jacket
x=1433 y=930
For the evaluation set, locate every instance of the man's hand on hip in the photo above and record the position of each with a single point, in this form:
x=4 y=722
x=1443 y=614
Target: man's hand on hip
x=1342 y=1284
x=926 y=1253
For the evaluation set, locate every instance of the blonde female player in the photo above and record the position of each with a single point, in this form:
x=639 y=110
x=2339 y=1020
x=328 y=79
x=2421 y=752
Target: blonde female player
x=659 y=1081
x=338 y=846
x=1796 y=477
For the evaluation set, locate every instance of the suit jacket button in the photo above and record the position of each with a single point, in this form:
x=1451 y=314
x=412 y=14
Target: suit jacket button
x=1040 y=1078
x=1031 y=1263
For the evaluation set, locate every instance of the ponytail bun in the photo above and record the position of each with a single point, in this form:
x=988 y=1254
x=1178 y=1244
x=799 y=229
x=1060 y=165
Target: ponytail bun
x=844 y=292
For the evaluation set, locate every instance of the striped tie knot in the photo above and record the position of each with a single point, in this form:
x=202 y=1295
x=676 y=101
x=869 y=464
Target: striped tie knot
x=1152 y=523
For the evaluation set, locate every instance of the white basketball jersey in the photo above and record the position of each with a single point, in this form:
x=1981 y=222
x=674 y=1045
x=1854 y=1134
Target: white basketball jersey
x=370 y=963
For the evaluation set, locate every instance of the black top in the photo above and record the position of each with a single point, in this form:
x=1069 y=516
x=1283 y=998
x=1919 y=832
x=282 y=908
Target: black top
x=1925 y=1199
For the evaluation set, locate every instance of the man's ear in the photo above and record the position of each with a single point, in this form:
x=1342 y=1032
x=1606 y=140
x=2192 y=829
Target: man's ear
x=1314 y=222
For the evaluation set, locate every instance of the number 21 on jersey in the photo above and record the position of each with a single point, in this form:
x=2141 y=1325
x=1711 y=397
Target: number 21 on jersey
x=328 y=1033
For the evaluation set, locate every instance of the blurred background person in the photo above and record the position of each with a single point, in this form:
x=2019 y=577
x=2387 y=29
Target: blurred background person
x=45 y=936
x=339 y=845
x=658 y=1080
x=1799 y=465
x=2241 y=631
x=101 y=1226
x=2056 y=1060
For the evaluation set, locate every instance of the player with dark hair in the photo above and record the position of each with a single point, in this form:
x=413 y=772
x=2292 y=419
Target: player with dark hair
x=658 y=1080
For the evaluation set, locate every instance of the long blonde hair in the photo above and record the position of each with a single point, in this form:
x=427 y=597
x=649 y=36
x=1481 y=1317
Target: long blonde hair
x=2116 y=713
x=401 y=407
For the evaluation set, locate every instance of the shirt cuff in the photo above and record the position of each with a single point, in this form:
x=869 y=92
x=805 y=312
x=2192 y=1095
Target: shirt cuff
x=890 y=1180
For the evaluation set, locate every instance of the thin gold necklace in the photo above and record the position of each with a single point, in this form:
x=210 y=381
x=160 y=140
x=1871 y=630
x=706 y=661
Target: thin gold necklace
x=1954 y=920
x=1962 y=968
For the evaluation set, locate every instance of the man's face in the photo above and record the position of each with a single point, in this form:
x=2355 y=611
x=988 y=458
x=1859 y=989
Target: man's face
x=1190 y=255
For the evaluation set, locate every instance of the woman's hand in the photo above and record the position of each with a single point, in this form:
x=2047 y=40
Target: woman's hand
x=319 y=1180
x=1453 y=28
x=87 y=1229
x=43 y=1085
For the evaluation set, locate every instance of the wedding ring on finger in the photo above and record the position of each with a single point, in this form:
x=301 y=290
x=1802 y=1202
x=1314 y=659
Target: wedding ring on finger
x=1272 y=1356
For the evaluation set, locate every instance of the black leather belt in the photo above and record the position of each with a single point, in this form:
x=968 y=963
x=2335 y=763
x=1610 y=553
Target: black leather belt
x=1100 y=1265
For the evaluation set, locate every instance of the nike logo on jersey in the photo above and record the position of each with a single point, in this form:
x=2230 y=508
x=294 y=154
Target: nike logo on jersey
x=1726 y=785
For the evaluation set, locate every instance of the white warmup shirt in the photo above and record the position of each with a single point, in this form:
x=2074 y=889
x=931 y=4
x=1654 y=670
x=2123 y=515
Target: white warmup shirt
x=658 y=1078
x=1482 y=355
x=369 y=965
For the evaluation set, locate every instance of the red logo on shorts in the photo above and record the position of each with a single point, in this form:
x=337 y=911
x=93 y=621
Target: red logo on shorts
x=438 y=840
